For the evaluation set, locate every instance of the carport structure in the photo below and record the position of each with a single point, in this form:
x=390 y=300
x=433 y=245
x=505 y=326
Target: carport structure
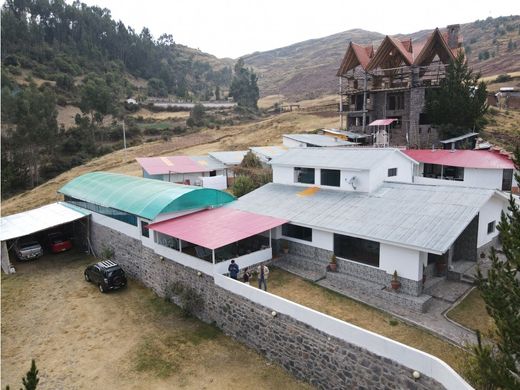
x=13 y=227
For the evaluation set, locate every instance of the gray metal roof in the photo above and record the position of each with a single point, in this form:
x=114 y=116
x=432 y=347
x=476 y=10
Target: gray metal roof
x=208 y=162
x=268 y=152
x=427 y=218
x=230 y=157
x=319 y=140
x=340 y=158
x=459 y=138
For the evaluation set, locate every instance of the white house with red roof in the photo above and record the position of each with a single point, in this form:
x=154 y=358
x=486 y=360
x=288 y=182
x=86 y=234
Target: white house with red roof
x=468 y=168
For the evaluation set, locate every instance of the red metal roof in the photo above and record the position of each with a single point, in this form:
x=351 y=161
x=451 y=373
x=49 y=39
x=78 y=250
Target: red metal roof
x=484 y=159
x=177 y=164
x=216 y=228
x=382 y=122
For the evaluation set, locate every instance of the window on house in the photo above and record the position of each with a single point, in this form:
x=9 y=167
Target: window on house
x=357 y=249
x=330 y=177
x=106 y=211
x=392 y=172
x=491 y=227
x=507 y=179
x=304 y=175
x=213 y=173
x=453 y=173
x=295 y=231
x=145 y=232
x=423 y=119
x=395 y=101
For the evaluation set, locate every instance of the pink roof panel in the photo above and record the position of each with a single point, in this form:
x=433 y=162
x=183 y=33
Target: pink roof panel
x=484 y=159
x=382 y=122
x=165 y=165
x=218 y=227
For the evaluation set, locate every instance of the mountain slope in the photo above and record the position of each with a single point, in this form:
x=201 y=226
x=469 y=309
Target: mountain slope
x=307 y=69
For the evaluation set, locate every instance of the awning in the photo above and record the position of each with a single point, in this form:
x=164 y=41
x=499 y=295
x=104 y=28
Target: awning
x=216 y=228
x=382 y=122
x=36 y=220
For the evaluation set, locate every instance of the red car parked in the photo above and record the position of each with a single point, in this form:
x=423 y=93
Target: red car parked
x=58 y=243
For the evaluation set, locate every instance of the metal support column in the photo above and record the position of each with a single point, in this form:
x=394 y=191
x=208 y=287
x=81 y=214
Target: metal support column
x=365 y=102
x=213 y=256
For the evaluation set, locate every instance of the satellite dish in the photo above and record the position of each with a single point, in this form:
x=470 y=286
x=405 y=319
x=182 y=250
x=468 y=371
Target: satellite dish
x=353 y=181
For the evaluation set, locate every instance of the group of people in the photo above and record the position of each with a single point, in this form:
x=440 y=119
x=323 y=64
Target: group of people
x=262 y=272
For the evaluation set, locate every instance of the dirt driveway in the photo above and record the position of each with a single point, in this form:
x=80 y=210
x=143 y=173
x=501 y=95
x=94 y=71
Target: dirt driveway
x=129 y=339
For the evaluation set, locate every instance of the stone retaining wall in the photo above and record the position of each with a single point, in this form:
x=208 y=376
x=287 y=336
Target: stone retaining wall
x=309 y=354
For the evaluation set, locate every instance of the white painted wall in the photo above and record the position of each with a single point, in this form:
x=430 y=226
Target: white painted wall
x=473 y=177
x=407 y=262
x=283 y=175
x=362 y=181
x=218 y=182
x=379 y=173
x=246 y=261
x=489 y=212
x=147 y=241
x=194 y=178
x=407 y=356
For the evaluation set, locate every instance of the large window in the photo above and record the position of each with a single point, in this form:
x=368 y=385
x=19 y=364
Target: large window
x=330 y=177
x=395 y=101
x=443 y=172
x=507 y=179
x=392 y=172
x=295 y=231
x=304 y=175
x=357 y=249
x=106 y=211
x=144 y=229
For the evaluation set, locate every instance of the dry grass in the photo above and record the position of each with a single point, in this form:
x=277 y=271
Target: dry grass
x=471 y=312
x=128 y=339
x=263 y=132
x=326 y=301
x=503 y=128
x=66 y=115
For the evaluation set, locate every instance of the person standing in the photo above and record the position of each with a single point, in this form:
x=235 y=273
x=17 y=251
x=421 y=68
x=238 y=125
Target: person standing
x=247 y=275
x=233 y=270
x=263 y=274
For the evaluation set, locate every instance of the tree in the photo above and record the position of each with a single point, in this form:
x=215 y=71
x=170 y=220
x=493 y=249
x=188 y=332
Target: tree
x=459 y=104
x=197 y=116
x=217 y=93
x=31 y=378
x=244 y=87
x=97 y=98
x=498 y=367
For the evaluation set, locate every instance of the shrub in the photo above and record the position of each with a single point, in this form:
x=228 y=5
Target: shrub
x=189 y=299
x=503 y=78
x=251 y=161
x=242 y=186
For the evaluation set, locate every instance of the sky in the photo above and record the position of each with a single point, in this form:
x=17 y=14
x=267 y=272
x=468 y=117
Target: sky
x=232 y=28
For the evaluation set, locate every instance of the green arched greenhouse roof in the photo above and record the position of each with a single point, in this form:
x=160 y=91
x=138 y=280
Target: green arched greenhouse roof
x=146 y=198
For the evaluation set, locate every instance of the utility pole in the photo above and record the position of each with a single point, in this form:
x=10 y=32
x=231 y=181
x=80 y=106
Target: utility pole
x=124 y=135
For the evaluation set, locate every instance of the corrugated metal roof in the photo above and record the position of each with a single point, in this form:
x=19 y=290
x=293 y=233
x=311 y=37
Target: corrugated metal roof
x=382 y=122
x=459 y=138
x=340 y=158
x=178 y=164
x=427 y=218
x=485 y=159
x=146 y=198
x=36 y=220
x=217 y=227
x=319 y=140
x=268 y=152
x=229 y=158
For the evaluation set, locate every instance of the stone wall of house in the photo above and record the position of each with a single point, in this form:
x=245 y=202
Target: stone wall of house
x=307 y=353
x=465 y=247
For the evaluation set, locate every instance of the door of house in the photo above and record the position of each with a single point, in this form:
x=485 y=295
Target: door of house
x=507 y=179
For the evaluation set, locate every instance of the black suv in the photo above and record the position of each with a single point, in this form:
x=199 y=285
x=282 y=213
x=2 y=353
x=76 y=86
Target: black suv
x=106 y=274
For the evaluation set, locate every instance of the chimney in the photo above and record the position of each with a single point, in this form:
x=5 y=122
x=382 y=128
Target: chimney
x=453 y=35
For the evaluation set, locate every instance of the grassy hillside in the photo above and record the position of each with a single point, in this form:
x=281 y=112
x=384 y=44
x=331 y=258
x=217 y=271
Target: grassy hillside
x=307 y=69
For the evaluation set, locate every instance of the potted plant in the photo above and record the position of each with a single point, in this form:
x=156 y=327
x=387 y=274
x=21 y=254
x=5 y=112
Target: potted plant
x=333 y=265
x=395 y=283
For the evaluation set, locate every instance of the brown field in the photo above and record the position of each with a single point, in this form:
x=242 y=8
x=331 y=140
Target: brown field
x=127 y=339
x=263 y=132
x=66 y=115
x=160 y=116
